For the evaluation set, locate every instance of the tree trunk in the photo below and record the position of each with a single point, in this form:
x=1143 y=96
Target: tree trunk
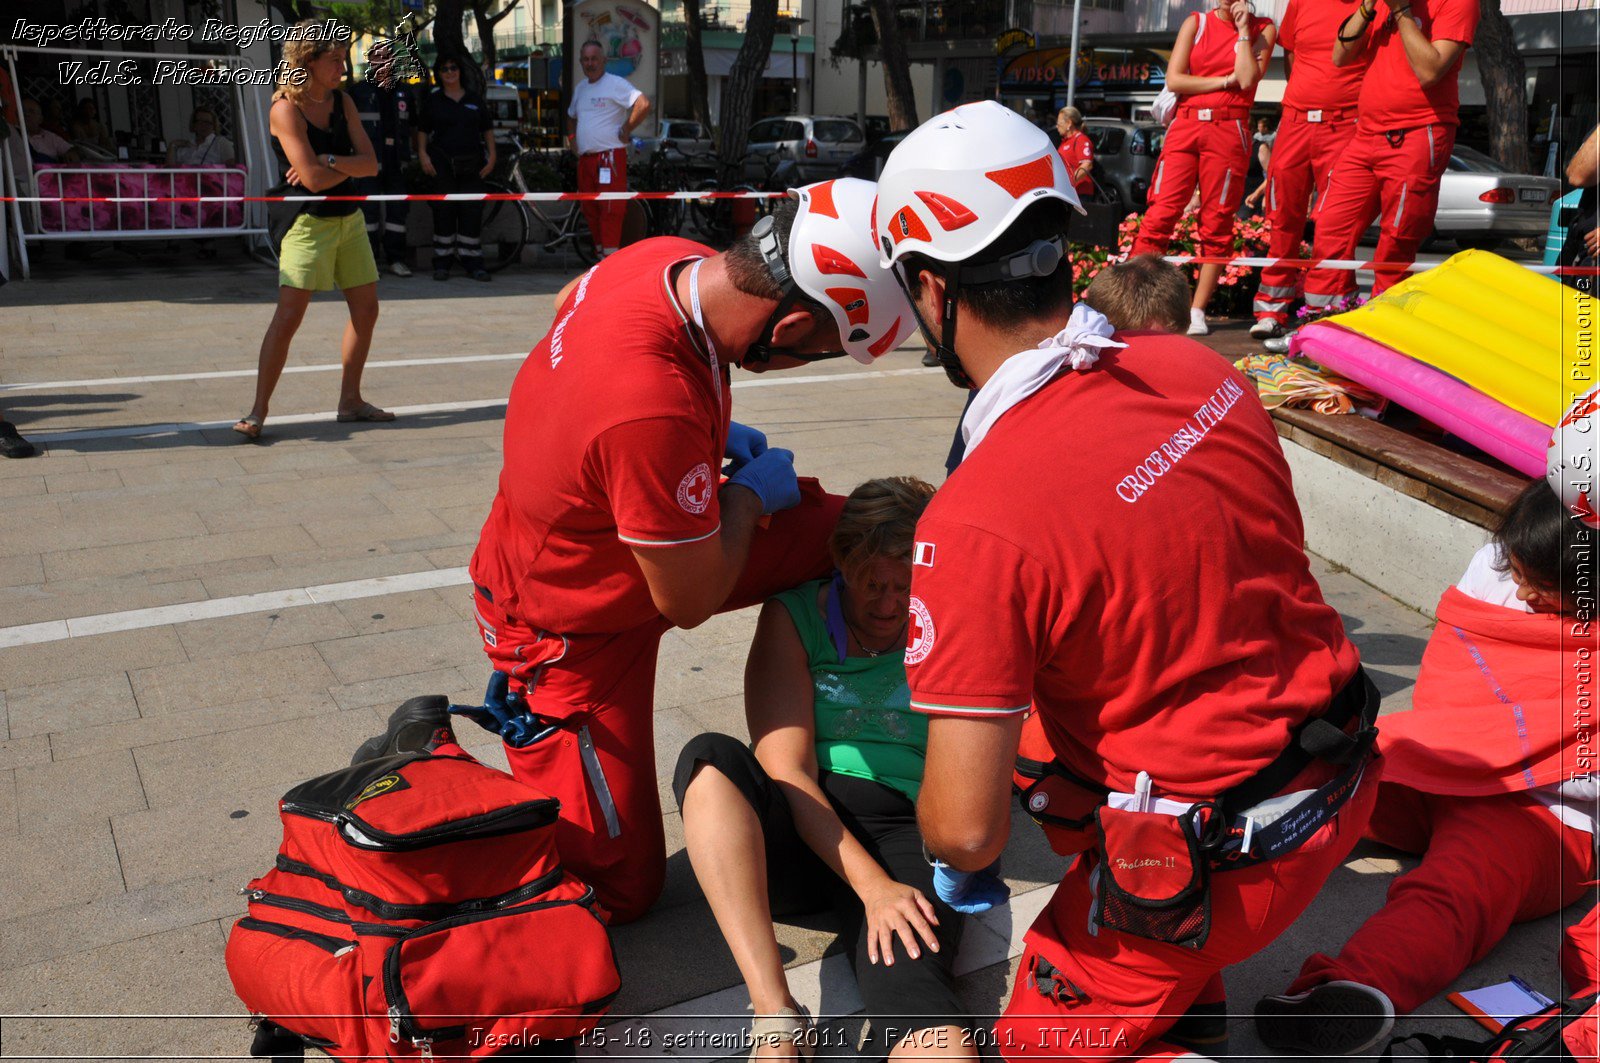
x=738 y=92
x=486 y=24
x=1504 y=77
x=695 y=57
x=897 y=68
x=452 y=44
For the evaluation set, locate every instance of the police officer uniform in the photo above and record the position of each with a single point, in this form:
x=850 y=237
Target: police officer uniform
x=388 y=114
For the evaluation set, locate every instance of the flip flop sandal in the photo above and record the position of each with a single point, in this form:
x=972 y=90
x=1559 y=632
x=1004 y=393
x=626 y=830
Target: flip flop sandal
x=366 y=412
x=787 y=1026
x=252 y=431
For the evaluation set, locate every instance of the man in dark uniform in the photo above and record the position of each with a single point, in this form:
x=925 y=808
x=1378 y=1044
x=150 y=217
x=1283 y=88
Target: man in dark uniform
x=387 y=112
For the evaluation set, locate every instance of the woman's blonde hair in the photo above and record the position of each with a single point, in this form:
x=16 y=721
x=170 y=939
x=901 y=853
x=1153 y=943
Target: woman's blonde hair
x=879 y=519
x=303 y=48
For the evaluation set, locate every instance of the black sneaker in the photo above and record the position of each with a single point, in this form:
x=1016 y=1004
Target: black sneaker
x=1203 y=1030
x=418 y=726
x=12 y=445
x=1333 y=1019
x=481 y=275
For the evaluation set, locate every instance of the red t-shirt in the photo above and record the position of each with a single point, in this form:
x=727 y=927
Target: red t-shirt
x=1075 y=151
x=1123 y=553
x=614 y=437
x=1215 y=43
x=1307 y=32
x=1391 y=96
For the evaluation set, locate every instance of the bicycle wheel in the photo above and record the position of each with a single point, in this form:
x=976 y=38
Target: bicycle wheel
x=572 y=231
x=666 y=215
x=506 y=223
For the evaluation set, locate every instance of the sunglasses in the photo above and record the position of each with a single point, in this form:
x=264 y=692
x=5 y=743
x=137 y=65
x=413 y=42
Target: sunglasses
x=450 y=69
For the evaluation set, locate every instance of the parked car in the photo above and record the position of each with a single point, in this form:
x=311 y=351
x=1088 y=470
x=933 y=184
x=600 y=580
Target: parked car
x=679 y=135
x=1482 y=204
x=868 y=164
x=1125 y=155
x=816 y=143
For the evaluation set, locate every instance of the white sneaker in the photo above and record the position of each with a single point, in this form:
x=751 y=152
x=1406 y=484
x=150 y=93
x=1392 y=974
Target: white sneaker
x=1197 y=322
x=400 y=269
x=1265 y=328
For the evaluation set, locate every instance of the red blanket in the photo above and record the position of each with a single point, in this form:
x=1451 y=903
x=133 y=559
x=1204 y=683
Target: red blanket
x=1505 y=702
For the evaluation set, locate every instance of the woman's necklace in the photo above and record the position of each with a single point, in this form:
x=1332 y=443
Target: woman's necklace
x=313 y=99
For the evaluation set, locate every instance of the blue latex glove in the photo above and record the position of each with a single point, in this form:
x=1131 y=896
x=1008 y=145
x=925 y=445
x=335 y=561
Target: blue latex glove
x=744 y=445
x=503 y=713
x=770 y=475
x=970 y=892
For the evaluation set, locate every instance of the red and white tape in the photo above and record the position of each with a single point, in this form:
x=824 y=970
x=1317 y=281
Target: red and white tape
x=441 y=197
x=1358 y=263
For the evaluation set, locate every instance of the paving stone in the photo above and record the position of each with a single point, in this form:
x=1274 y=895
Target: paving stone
x=172 y=843
x=51 y=798
x=396 y=612
x=350 y=509
x=16 y=752
x=279 y=672
x=69 y=866
x=67 y=483
x=65 y=539
x=210 y=466
x=310 y=569
x=67 y=599
x=230 y=635
x=197 y=546
x=274 y=754
x=387 y=693
x=88 y=702
x=402 y=652
x=171 y=974
x=205 y=720
x=8 y=802
x=20 y=486
x=21 y=570
x=51 y=662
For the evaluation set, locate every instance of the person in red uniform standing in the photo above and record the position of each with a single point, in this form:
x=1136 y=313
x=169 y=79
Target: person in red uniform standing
x=1076 y=150
x=1319 y=118
x=1165 y=630
x=1487 y=777
x=610 y=526
x=1406 y=119
x=1217 y=61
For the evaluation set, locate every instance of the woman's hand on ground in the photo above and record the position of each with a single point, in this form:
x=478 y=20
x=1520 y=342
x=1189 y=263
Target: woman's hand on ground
x=895 y=908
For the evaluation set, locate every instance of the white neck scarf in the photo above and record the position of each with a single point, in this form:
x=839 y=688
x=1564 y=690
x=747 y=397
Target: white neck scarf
x=1076 y=347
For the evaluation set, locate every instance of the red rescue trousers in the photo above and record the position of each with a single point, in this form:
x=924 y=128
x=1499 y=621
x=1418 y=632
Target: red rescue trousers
x=1392 y=177
x=604 y=218
x=1216 y=153
x=1307 y=146
x=1487 y=862
x=600 y=690
x=1113 y=995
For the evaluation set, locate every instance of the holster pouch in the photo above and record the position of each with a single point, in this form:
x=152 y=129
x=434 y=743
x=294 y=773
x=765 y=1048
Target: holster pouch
x=1061 y=803
x=1155 y=880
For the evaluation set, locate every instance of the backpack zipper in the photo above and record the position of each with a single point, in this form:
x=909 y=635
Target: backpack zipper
x=323 y=911
x=437 y=910
x=512 y=819
x=401 y=1019
x=326 y=942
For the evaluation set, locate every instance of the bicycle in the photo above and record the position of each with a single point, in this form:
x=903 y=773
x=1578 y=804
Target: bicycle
x=517 y=218
x=665 y=172
x=715 y=217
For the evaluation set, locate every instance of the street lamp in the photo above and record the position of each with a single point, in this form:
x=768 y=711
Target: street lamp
x=795 y=22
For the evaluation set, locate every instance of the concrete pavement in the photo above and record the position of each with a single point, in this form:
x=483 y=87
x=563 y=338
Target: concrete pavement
x=190 y=625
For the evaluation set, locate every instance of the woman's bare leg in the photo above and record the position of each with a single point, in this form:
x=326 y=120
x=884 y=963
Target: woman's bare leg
x=1205 y=286
x=363 y=304
x=728 y=853
x=292 y=303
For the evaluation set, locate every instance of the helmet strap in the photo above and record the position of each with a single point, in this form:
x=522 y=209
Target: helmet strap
x=944 y=346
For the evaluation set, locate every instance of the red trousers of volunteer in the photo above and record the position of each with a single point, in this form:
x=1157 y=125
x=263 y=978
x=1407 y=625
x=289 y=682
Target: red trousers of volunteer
x=1130 y=990
x=1487 y=862
x=1303 y=156
x=601 y=763
x=1392 y=177
x=1216 y=153
x=604 y=218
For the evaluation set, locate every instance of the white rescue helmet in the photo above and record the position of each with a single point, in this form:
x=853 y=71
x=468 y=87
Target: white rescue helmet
x=1573 y=459
x=834 y=261
x=961 y=178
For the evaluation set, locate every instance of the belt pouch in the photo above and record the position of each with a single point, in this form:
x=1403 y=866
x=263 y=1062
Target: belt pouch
x=1154 y=880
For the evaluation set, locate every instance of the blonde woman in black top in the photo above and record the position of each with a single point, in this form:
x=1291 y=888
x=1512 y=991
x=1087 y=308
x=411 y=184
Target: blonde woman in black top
x=320 y=140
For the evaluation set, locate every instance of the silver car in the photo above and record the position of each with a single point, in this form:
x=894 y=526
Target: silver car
x=1125 y=155
x=817 y=144
x=677 y=136
x=1482 y=204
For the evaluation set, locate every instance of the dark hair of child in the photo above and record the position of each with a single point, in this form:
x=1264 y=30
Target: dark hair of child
x=1554 y=550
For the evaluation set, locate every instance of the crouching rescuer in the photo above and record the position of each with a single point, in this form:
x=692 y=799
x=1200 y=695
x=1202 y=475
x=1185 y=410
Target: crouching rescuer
x=1191 y=716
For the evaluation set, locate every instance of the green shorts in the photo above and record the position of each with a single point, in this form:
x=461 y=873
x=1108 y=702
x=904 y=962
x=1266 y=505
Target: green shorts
x=320 y=254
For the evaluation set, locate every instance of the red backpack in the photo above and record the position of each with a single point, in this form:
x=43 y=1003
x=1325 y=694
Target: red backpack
x=1564 y=1032
x=417 y=906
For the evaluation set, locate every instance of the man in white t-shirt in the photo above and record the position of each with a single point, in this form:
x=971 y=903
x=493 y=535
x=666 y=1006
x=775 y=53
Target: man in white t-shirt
x=605 y=111
x=209 y=148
